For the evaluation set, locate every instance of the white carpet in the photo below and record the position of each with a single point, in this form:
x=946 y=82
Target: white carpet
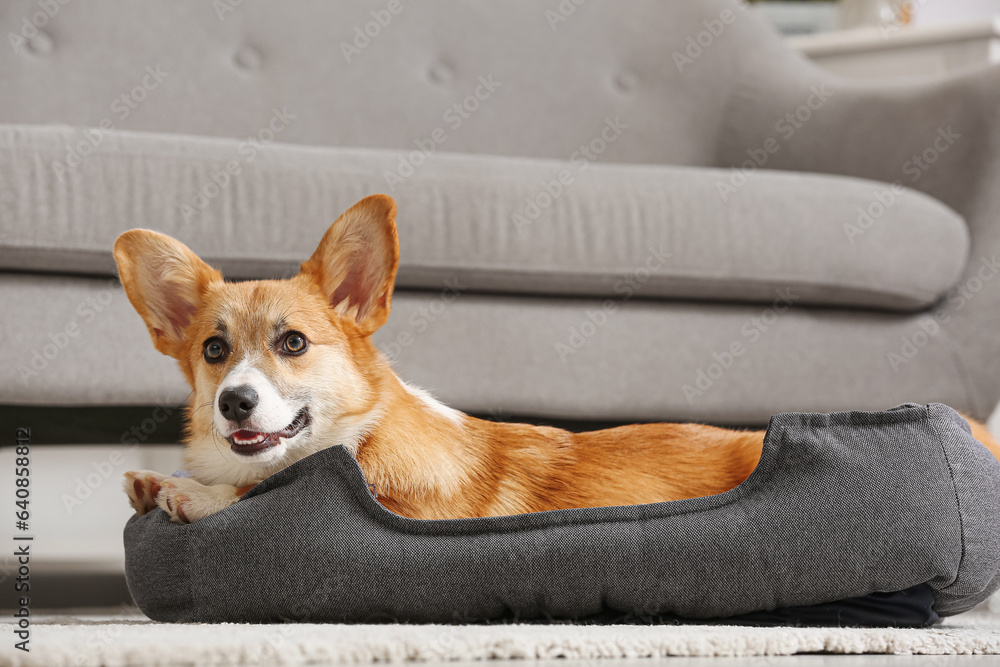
x=130 y=639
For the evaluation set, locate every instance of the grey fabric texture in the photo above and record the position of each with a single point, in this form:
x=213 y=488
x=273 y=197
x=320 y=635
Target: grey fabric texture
x=473 y=219
x=522 y=355
x=841 y=505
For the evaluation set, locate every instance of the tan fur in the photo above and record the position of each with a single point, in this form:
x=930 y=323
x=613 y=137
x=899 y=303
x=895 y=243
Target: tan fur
x=980 y=433
x=424 y=461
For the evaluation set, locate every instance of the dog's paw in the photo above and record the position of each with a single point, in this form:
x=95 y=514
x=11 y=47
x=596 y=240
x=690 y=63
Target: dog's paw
x=187 y=501
x=142 y=487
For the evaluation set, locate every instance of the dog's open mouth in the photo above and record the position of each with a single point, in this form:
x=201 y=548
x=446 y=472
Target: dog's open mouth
x=248 y=443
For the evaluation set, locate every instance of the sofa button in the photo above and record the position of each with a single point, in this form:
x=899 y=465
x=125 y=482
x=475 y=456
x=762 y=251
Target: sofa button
x=41 y=43
x=626 y=81
x=248 y=59
x=440 y=73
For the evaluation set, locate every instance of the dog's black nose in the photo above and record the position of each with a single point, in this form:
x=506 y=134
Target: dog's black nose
x=237 y=404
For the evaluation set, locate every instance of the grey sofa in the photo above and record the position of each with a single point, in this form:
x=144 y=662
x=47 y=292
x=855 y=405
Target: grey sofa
x=628 y=211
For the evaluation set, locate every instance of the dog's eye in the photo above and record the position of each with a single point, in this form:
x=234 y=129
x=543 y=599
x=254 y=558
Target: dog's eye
x=295 y=343
x=215 y=350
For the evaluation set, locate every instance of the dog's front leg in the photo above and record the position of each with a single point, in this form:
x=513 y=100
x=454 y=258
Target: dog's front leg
x=186 y=500
x=183 y=498
x=142 y=487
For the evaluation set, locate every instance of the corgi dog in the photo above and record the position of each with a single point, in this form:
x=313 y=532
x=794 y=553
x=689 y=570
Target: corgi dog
x=280 y=369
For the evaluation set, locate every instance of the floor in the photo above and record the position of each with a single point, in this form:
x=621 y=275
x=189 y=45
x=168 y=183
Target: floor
x=124 y=637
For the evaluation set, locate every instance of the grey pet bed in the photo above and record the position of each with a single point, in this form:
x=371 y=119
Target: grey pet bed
x=842 y=506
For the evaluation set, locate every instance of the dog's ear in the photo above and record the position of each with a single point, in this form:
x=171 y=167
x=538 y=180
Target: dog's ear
x=355 y=263
x=165 y=281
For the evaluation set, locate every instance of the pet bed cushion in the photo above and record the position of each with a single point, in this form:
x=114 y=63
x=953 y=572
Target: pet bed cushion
x=841 y=505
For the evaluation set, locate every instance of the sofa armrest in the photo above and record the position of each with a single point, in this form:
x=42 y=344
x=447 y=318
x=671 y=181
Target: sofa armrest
x=940 y=136
x=937 y=135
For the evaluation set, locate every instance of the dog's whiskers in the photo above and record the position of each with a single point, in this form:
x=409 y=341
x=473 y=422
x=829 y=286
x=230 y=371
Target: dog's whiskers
x=203 y=405
x=221 y=446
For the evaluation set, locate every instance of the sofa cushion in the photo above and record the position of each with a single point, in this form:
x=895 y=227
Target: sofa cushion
x=504 y=355
x=573 y=227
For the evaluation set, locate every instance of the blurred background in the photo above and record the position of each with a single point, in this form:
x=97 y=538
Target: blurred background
x=811 y=16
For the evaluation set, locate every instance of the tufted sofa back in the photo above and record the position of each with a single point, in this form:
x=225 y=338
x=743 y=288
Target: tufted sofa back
x=534 y=78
